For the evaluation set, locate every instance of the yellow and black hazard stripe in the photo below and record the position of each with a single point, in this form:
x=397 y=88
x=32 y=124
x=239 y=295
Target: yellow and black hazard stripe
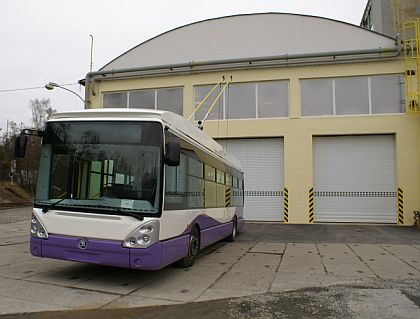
x=311 y=205
x=400 y=206
x=286 y=205
x=227 y=196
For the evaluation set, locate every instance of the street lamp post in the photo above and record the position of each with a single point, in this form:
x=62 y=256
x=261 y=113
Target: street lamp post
x=52 y=85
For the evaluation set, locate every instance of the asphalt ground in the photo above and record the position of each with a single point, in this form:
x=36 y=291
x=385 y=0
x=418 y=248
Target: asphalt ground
x=271 y=271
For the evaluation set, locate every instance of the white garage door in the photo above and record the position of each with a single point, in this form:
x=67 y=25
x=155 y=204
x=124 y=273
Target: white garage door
x=262 y=161
x=355 y=179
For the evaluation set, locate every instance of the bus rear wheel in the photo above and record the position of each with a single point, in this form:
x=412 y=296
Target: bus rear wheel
x=193 y=249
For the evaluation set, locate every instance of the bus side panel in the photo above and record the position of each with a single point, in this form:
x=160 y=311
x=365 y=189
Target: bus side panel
x=239 y=213
x=214 y=234
x=208 y=221
x=177 y=226
x=176 y=223
x=174 y=249
x=211 y=230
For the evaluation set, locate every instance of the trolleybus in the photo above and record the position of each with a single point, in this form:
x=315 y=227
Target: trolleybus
x=131 y=188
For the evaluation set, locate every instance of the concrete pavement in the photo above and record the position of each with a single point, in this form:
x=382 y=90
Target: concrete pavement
x=275 y=270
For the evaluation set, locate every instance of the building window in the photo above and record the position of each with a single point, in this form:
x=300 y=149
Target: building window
x=381 y=94
x=387 y=94
x=317 y=97
x=170 y=99
x=200 y=92
x=273 y=99
x=351 y=95
x=166 y=99
x=267 y=99
x=144 y=99
x=115 y=100
x=241 y=101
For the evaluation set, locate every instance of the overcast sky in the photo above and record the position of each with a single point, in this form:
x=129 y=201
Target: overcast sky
x=48 y=40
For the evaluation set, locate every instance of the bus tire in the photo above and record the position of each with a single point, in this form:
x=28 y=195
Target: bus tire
x=193 y=249
x=231 y=238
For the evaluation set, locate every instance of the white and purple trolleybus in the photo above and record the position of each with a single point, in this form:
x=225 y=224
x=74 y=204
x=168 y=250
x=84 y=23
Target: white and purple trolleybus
x=131 y=188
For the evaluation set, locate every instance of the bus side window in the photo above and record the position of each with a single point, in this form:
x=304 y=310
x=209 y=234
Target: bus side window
x=176 y=185
x=210 y=186
x=221 y=193
x=195 y=183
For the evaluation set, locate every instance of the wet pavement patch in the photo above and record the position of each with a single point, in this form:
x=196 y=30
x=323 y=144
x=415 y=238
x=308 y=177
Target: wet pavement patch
x=311 y=303
x=341 y=301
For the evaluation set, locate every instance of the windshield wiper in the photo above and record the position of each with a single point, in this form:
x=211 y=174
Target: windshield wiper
x=47 y=208
x=118 y=209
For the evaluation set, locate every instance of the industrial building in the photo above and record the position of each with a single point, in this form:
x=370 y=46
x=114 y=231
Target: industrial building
x=388 y=16
x=315 y=110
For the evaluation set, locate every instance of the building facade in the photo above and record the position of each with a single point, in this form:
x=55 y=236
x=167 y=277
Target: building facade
x=388 y=16
x=314 y=110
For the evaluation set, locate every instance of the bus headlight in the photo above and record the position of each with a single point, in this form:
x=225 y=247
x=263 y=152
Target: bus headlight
x=144 y=236
x=37 y=229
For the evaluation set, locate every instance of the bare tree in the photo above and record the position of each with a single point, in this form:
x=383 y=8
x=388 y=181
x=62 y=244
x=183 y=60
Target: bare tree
x=41 y=112
x=25 y=174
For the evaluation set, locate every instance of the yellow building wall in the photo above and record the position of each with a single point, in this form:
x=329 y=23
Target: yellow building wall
x=297 y=131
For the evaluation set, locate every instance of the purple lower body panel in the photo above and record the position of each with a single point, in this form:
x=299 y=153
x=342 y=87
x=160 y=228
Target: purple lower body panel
x=36 y=247
x=159 y=255
x=214 y=234
x=111 y=253
x=213 y=231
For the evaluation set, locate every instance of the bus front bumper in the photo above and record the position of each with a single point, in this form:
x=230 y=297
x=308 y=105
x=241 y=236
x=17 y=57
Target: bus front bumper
x=110 y=253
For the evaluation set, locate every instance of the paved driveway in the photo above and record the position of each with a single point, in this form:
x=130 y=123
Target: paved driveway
x=364 y=265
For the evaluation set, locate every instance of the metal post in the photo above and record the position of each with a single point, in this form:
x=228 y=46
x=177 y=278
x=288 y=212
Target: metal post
x=91 y=52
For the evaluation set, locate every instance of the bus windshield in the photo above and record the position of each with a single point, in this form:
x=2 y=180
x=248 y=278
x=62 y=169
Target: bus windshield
x=102 y=166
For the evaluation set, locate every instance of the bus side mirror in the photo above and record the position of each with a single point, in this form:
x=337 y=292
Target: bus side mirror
x=173 y=153
x=20 y=146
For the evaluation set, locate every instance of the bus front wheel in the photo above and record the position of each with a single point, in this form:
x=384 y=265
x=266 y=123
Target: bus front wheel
x=193 y=249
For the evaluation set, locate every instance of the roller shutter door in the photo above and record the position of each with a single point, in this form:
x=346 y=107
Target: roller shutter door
x=355 y=179
x=262 y=161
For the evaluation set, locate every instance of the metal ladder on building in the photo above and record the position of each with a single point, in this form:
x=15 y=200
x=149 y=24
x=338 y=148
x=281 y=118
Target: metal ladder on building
x=411 y=44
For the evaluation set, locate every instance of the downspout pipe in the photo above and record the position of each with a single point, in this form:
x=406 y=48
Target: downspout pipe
x=248 y=61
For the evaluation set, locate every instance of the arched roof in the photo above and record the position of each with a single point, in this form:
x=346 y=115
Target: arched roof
x=249 y=35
